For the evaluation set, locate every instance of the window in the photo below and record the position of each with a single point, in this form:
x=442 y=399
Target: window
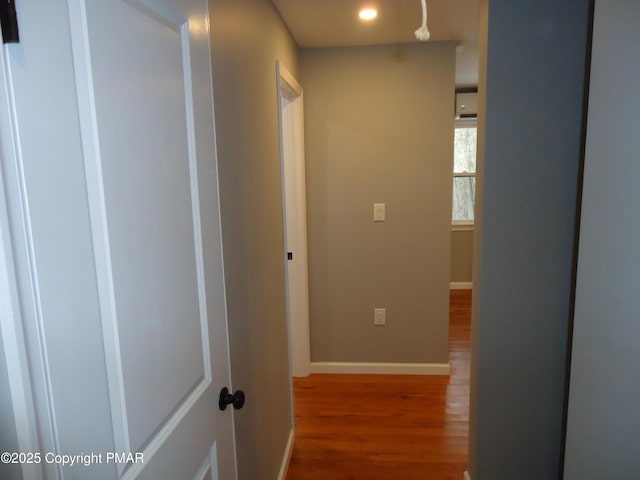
x=464 y=173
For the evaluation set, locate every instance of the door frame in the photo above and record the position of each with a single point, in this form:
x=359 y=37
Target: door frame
x=20 y=314
x=292 y=163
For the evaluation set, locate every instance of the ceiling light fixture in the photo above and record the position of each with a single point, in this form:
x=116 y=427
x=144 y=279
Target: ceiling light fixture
x=368 y=13
x=422 y=33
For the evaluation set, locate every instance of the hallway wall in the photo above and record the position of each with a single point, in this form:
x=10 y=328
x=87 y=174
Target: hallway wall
x=529 y=156
x=379 y=129
x=247 y=37
x=462 y=256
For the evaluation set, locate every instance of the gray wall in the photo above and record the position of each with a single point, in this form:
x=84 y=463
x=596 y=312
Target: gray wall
x=603 y=421
x=379 y=129
x=462 y=256
x=529 y=158
x=247 y=37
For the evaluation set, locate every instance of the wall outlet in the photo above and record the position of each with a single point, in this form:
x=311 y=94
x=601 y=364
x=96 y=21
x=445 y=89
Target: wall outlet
x=380 y=316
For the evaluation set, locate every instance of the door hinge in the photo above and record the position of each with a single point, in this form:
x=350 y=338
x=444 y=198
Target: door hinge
x=9 y=21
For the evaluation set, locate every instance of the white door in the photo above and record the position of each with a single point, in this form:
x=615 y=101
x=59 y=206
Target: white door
x=108 y=157
x=291 y=116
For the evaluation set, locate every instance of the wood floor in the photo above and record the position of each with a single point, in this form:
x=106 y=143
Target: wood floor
x=387 y=427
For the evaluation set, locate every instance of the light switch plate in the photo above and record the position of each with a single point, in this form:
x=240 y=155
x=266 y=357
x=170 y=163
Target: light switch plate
x=379 y=212
x=380 y=316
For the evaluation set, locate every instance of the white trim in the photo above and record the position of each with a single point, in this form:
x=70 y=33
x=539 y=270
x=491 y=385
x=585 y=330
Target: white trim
x=462 y=226
x=289 y=79
x=461 y=286
x=291 y=128
x=90 y=139
x=381 y=368
x=21 y=334
x=466 y=122
x=12 y=335
x=226 y=375
x=284 y=466
x=466 y=476
x=205 y=468
x=183 y=29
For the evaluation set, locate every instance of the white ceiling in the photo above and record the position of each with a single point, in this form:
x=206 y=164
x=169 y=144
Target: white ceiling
x=332 y=23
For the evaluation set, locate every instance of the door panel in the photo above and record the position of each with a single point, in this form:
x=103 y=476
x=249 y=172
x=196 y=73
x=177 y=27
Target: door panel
x=151 y=210
x=125 y=213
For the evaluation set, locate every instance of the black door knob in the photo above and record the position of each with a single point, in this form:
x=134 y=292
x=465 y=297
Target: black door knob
x=235 y=399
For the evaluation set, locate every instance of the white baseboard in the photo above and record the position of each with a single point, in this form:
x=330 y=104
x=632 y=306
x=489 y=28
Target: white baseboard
x=461 y=285
x=466 y=476
x=381 y=368
x=287 y=456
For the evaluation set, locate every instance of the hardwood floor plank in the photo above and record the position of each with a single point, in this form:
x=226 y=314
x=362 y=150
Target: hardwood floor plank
x=370 y=427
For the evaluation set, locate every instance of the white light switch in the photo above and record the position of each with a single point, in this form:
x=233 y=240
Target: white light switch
x=379 y=213
x=380 y=316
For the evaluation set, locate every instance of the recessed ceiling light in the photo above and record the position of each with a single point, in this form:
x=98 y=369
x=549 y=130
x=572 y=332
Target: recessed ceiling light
x=368 y=13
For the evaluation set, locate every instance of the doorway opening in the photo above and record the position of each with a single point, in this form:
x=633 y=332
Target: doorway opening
x=291 y=122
